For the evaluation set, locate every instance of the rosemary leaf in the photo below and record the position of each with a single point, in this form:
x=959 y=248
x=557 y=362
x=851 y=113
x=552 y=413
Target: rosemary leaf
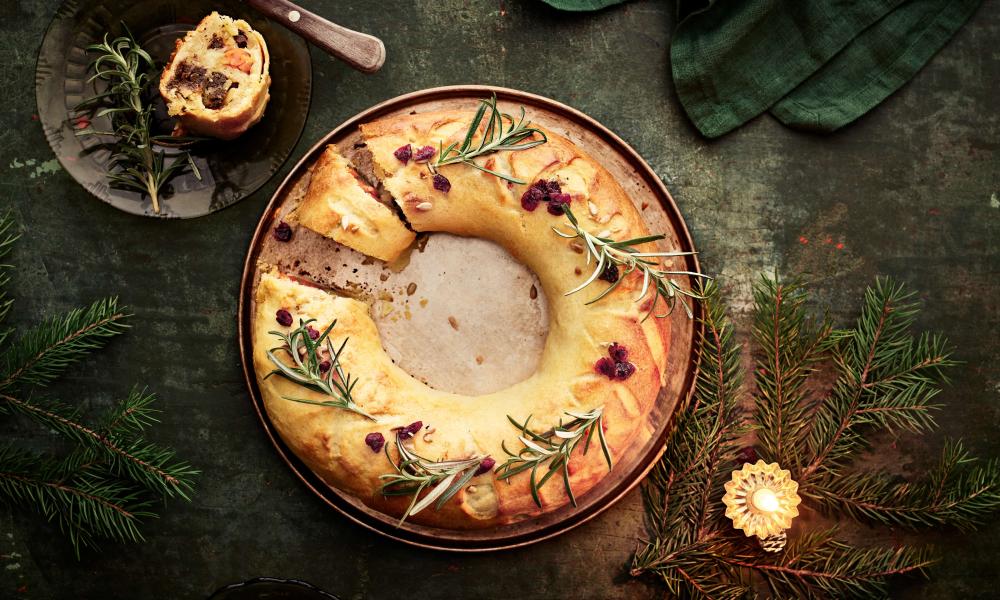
x=496 y=137
x=306 y=367
x=134 y=165
x=553 y=450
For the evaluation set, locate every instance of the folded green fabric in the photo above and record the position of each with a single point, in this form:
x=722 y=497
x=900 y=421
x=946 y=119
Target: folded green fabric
x=816 y=64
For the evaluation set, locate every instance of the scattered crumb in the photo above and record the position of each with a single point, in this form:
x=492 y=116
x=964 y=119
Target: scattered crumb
x=383 y=295
x=423 y=302
x=534 y=292
x=383 y=276
x=453 y=322
x=411 y=289
x=645 y=205
x=479 y=359
x=577 y=271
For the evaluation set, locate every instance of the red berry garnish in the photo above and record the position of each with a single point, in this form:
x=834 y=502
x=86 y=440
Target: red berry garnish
x=283 y=232
x=375 y=441
x=618 y=352
x=486 y=465
x=624 y=370
x=404 y=153
x=441 y=183
x=424 y=154
x=531 y=198
x=610 y=273
x=283 y=317
x=605 y=366
x=405 y=433
x=313 y=333
x=324 y=366
x=557 y=203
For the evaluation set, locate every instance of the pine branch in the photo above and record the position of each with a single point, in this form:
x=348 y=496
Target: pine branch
x=681 y=494
x=88 y=506
x=960 y=492
x=888 y=379
x=148 y=464
x=791 y=345
x=816 y=565
x=7 y=239
x=43 y=353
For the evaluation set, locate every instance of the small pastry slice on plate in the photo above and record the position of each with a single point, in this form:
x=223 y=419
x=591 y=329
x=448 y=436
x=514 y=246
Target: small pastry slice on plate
x=341 y=206
x=216 y=81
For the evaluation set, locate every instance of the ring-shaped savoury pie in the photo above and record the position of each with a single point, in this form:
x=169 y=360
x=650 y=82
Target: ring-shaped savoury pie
x=602 y=356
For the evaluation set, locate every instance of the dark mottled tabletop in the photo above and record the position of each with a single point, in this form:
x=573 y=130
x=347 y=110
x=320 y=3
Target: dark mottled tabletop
x=911 y=190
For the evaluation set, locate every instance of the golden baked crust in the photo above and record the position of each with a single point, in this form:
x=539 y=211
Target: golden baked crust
x=236 y=55
x=331 y=442
x=338 y=206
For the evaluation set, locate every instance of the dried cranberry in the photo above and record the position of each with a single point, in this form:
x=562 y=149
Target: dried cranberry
x=605 y=366
x=283 y=317
x=283 y=232
x=624 y=370
x=551 y=187
x=618 y=352
x=531 y=198
x=557 y=203
x=324 y=366
x=375 y=441
x=441 y=183
x=404 y=153
x=240 y=38
x=405 y=433
x=610 y=273
x=313 y=333
x=424 y=154
x=486 y=465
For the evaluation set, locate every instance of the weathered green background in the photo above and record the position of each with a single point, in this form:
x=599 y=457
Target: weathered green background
x=911 y=190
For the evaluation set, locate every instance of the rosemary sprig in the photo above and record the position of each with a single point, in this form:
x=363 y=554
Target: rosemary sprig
x=496 y=137
x=308 y=370
x=414 y=474
x=135 y=165
x=554 y=449
x=612 y=255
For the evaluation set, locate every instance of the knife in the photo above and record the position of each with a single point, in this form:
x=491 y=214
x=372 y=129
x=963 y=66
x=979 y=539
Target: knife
x=362 y=51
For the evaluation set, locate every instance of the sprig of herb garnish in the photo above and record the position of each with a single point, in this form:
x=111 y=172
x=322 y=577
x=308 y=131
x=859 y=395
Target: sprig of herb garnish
x=553 y=449
x=135 y=164
x=312 y=371
x=614 y=260
x=501 y=133
x=414 y=474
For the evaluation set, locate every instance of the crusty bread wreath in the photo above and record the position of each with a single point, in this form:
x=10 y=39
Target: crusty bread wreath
x=600 y=372
x=216 y=81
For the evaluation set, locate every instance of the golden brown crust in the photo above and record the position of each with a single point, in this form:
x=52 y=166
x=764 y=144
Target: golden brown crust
x=243 y=106
x=331 y=442
x=337 y=206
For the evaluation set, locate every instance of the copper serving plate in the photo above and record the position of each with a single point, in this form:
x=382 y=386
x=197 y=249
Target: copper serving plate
x=661 y=214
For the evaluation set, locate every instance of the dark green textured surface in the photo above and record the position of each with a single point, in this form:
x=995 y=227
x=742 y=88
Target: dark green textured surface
x=910 y=190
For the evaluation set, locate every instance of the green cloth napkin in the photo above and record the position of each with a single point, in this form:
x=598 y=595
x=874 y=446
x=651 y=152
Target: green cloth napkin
x=815 y=64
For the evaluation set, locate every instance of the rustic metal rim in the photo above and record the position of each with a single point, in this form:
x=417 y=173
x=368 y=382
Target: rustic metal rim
x=386 y=527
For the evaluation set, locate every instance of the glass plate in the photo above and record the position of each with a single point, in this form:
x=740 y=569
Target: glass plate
x=230 y=171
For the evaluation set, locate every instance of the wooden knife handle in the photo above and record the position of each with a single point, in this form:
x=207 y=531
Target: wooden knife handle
x=362 y=51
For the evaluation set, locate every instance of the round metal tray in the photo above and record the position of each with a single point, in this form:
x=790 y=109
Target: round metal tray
x=661 y=214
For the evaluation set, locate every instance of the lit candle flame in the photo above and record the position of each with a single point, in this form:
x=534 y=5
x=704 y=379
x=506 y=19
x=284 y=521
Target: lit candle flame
x=765 y=500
